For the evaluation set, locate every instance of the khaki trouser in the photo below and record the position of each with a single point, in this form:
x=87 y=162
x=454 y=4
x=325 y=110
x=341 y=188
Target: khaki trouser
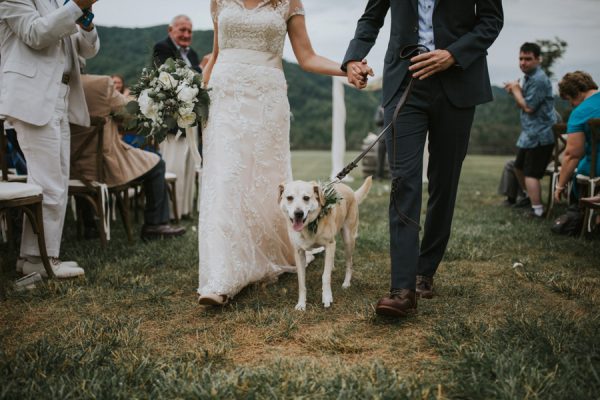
x=47 y=151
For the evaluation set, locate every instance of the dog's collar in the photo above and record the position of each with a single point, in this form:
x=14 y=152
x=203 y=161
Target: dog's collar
x=332 y=197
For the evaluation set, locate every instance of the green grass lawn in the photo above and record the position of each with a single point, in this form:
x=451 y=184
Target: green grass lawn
x=132 y=327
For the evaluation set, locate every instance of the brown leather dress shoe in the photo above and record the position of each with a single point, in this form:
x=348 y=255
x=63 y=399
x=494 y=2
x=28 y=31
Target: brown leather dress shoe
x=424 y=287
x=400 y=303
x=165 y=231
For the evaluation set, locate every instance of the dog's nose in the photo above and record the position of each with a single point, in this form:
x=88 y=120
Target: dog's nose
x=298 y=214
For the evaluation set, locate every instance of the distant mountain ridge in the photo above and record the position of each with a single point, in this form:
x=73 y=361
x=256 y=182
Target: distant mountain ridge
x=127 y=51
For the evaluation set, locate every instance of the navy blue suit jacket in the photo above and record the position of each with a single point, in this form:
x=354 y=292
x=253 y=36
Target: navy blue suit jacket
x=466 y=28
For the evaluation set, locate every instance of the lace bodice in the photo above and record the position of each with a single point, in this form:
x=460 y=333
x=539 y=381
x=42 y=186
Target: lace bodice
x=262 y=28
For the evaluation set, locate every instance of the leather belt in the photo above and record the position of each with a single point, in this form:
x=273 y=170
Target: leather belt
x=65 y=79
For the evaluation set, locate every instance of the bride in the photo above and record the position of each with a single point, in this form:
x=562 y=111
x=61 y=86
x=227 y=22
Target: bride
x=242 y=234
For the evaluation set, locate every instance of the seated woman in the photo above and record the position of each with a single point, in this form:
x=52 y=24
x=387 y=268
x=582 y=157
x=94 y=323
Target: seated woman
x=580 y=90
x=120 y=86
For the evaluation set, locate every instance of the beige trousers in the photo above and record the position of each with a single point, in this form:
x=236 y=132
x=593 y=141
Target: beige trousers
x=47 y=150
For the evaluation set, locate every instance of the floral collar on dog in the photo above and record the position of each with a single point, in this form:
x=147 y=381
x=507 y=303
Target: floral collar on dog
x=332 y=197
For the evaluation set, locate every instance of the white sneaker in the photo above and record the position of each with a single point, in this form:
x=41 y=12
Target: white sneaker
x=62 y=270
x=38 y=260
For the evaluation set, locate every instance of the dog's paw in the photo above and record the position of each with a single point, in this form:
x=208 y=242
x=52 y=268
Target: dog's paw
x=301 y=307
x=345 y=285
x=327 y=300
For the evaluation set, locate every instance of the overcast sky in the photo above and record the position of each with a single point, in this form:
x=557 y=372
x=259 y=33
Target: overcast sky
x=331 y=25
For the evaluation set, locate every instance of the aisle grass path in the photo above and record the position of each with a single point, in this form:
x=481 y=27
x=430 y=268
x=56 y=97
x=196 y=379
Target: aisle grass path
x=132 y=327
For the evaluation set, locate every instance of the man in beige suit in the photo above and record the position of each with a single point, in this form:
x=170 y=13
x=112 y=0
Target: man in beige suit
x=122 y=163
x=40 y=93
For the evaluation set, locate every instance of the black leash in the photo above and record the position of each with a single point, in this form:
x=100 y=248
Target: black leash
x=406 y=53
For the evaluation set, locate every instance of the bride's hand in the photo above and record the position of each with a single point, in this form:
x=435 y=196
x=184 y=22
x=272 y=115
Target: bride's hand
x=358 y=73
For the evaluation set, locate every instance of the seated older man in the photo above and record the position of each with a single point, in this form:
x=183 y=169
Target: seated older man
x=122 y=163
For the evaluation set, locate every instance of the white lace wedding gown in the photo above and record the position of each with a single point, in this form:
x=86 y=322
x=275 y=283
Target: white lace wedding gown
x=242 y=232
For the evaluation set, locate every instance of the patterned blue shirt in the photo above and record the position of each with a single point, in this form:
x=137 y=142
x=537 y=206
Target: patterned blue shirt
x=536 y=128
x=426 y=23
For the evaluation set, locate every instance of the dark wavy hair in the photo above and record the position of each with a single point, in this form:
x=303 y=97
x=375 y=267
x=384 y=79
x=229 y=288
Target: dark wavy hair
x=574 y=83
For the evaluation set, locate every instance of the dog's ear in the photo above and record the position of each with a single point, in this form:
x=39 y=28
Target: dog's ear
x=319 y=194
x=281 y=189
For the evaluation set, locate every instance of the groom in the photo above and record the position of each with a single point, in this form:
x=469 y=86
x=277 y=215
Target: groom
x=450 y=80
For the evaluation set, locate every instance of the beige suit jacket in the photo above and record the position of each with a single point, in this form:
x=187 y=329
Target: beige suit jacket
x=32 y=62
x=122 y=162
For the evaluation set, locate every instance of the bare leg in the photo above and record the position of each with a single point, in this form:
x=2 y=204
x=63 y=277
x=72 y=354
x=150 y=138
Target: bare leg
x=534 y=190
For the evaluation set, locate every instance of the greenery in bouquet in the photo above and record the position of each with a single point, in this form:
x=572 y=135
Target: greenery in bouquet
x=169 y=98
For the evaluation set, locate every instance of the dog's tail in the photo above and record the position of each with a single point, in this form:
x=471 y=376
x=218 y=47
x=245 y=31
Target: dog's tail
x=362 y=191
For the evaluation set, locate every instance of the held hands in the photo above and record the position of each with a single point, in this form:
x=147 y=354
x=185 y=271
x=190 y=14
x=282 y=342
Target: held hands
x=358 y=73
x=430 y=63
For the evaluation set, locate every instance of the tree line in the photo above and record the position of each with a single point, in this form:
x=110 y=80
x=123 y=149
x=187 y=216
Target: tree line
x=126 y=51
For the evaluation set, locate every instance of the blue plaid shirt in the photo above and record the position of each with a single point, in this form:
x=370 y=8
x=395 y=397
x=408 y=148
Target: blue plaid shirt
x=536 y=128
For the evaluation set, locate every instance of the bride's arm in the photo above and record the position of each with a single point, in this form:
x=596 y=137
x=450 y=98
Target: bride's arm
x=306 y=56
x=213 y=58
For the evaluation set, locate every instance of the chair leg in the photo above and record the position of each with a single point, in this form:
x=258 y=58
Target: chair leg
x=136 y=204
x=10 y=230
x=584 y=226
x=171 y=188
x=36 y=219
x=122 y=205
x=551 y=195
x=79 y=221
x=100 y=223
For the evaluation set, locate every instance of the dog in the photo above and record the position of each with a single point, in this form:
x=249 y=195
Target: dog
x=310 y=228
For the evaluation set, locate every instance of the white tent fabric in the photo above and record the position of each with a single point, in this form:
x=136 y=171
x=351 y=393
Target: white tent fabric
x=338 y=139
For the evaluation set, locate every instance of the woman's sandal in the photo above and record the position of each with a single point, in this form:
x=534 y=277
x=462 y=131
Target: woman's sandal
x=212 y=299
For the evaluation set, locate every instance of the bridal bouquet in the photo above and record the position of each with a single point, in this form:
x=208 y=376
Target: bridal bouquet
x=169 y=98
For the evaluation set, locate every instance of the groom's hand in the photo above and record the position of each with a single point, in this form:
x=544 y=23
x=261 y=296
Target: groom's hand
x=358 y=73
x=426 y=64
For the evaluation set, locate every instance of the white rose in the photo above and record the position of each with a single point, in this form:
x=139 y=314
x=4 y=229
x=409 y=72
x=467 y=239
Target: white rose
x=185 y=109
x=147 y=106
x=187 y=94
x=189 y=74
x=186 y=120
x=167 y=80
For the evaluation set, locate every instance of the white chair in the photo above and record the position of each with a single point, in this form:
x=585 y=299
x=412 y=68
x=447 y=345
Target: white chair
x=27 y=198
x=590 y=183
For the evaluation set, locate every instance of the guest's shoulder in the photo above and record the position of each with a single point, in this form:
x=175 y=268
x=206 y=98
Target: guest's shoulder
x=162 y=43
x=540 y=76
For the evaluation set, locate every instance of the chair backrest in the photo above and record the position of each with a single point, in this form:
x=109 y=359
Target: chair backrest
x=560 y=143
x=3 y=153
x=85 y=143
x=595 y=133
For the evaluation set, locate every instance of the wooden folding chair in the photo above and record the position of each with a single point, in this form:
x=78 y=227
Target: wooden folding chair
x=25 y=197
x=553 y=169
x=589 y=184
x=96 y=193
